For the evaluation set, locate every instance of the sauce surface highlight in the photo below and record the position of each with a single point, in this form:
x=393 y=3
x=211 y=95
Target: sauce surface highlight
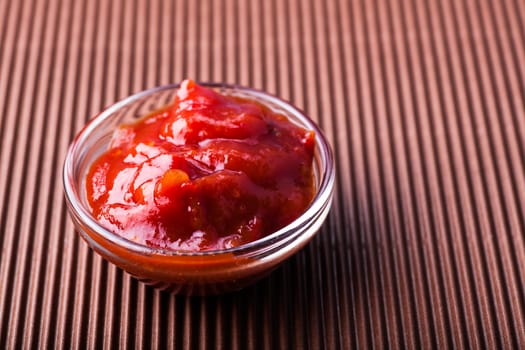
x=205 y=173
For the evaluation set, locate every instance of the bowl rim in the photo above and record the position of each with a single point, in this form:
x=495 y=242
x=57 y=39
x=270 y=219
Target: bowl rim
x=322 y=196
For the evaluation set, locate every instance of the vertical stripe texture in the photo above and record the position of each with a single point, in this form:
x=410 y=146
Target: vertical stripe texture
x=423 y=102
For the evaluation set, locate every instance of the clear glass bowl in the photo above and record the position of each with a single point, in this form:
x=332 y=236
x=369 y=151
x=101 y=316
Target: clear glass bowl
x=183 y=272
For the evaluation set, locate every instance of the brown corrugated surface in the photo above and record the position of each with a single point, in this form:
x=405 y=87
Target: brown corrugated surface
x=423 y=101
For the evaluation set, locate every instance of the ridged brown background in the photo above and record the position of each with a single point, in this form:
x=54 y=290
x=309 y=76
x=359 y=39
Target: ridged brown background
x=423 y=102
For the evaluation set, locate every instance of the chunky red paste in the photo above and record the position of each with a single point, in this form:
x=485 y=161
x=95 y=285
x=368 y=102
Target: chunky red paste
x=208 y=172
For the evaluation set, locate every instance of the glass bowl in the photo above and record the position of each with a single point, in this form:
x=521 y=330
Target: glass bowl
x=182 y=272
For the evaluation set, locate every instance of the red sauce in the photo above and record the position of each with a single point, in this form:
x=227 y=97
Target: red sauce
x=207 y=172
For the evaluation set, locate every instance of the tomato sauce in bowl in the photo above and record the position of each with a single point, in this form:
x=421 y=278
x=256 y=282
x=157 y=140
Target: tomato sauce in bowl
x=207 y=172
x=199 y=189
